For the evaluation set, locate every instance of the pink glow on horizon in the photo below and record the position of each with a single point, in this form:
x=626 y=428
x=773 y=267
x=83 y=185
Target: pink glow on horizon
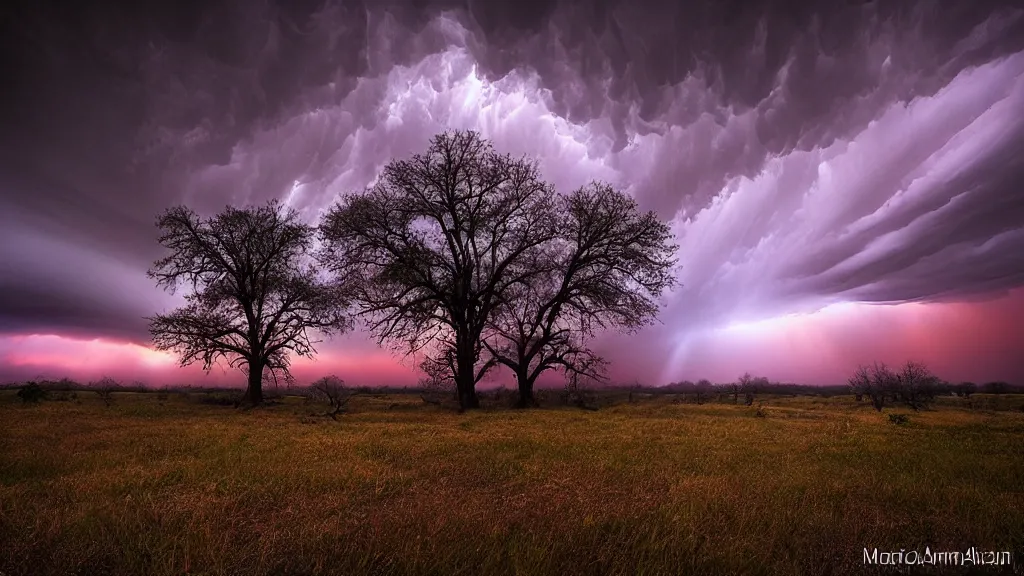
x=50 y=350
x=959 y=341
x=53 y=356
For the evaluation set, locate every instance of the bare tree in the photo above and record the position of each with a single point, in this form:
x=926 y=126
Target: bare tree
x=605 y=268
x=105 y=388
x=332 y=390
x=743 y=384
x=255 y=291
x=579 y=372
x=438 y=242
x=701 y=390
x=860 y=383
x=752 y=387
x=916 y=384
x=876 y=382
x=438 y=382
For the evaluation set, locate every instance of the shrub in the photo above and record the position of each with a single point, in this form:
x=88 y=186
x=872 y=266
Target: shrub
x=31 y=393
x=64 y=396
x=213 y=399
x=899 y=419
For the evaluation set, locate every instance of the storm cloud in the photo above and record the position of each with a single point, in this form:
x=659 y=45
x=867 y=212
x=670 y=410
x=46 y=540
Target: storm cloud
x=807 y=154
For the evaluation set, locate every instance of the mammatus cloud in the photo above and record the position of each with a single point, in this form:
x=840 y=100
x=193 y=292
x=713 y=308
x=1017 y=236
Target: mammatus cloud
x=845 y=154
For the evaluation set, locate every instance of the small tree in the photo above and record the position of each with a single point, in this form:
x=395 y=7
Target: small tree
x=332 y=390
x=860 y=383
x=751 y=387
x=744 y=384
x=255 y=292
x=701 y=390
x=105 y=388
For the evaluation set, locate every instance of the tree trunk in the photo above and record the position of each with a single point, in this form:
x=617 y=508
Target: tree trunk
x=465 y=379
x=254 y=392
x=468 y=399
x=526 y=397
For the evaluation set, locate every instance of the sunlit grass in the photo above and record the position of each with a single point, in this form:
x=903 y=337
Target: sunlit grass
x=396 y=486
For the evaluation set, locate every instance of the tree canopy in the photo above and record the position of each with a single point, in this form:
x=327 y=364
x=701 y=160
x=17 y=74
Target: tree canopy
x=605 y=268
x=471 y=256
x=438 y=243
x=255 y=292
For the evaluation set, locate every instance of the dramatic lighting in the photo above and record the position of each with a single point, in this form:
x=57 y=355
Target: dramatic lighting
x=57 y=353
x=815 y=188
x=789 y=321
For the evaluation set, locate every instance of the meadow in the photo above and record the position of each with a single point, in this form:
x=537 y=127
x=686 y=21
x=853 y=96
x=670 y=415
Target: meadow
x=162 y=485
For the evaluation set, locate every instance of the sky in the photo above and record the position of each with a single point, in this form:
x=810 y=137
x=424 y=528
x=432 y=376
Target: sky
x=845 y=180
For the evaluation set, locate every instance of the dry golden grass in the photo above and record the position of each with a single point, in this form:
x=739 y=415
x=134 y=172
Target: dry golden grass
x=153 y=488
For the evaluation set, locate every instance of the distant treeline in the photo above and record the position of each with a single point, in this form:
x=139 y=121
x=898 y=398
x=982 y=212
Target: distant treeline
x=685 y=388
x=779 y=388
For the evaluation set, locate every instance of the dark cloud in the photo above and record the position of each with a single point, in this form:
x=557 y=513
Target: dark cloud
x=807 y=153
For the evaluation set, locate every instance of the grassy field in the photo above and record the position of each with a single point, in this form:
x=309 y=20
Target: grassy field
x=398 y=487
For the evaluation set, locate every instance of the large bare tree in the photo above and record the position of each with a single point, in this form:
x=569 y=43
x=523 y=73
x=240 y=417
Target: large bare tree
x=605 y=269
x=439 y=241
x=255 y=291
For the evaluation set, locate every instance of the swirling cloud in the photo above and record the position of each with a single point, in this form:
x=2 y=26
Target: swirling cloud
x=806 y=157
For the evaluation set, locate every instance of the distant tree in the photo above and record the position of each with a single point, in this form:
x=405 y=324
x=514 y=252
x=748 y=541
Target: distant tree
x=996 y=387
x=438 y=243
x=634 y=391
x=744 y=384
x=860 y=383
x=105 y=388
x=332 y=390
x=701 y=390
x=255 y=292
x=916 y=384
x=754 y=386
x=876 y=382
x=966 y=389
x=604 y=269
x=681 y=389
